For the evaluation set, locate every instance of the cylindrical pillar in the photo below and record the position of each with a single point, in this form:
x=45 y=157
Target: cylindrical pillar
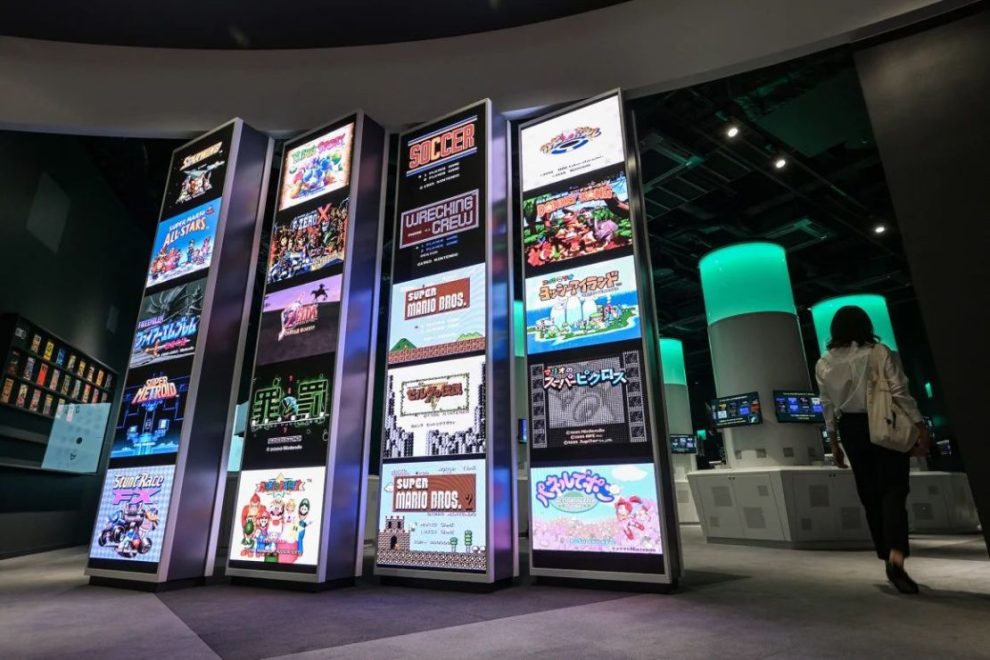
x=756 y=346
x=875 y=307
x=678 y=406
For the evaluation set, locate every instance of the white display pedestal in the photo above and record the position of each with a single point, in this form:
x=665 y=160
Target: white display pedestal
x=941 y=503
x=803 y=507
x=686 y=510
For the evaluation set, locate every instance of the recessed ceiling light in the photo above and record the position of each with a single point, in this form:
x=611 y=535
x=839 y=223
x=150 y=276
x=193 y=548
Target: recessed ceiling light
x=732 y=131
x=879 y=229
x=780 y=163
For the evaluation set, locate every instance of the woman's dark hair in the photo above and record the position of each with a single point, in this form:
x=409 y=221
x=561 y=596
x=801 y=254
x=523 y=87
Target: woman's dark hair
x=851 y=324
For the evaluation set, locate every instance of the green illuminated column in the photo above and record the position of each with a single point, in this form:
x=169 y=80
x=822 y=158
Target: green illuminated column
x=756 y=346
x=875 y=307
x=678 y=406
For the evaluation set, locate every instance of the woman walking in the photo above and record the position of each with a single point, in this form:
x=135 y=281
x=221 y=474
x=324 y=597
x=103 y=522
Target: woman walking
x=881 y=474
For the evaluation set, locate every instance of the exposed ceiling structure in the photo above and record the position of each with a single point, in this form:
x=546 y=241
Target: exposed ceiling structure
x=705 y=190
x=258 y=24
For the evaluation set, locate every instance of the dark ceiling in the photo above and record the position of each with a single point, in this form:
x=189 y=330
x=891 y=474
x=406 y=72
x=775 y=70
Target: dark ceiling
x=237 y=24
x=704 y=191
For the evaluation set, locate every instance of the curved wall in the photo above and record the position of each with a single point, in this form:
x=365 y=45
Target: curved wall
x=641 y=45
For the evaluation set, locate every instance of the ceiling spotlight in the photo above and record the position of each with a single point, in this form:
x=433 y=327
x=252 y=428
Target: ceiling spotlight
x=732 y=131
x=879 y=229
x=780 y=163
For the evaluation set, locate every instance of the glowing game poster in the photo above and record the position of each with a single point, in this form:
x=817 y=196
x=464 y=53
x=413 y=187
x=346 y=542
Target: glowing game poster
x=308 y=242
x=184 y=243
x=300 y=321
x=433 y=515
x=563 y=147
x=168 y=324
x=438 y=316
x=152 y=409
x=589 y=400
x=596 y=508
x=277 y=516
x=133 y=508
x=199 y=174
x=582 y=306
x=576 y=219
x=289 y=414
x=435 y=409
x=317 y=167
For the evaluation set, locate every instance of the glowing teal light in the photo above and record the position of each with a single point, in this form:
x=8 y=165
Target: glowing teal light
x=929 y=392
x=746 y=278
x=701 y=433
x=519 y=328
x=672 y=361
x=875 y=307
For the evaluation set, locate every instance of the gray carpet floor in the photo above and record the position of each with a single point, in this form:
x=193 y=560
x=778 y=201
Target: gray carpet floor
x=735 y=602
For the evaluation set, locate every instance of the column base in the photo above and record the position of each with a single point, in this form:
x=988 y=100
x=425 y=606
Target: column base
x=795 y=507
x=941 y=503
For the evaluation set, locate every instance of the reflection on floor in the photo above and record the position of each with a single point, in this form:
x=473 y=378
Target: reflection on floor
x=736 y=601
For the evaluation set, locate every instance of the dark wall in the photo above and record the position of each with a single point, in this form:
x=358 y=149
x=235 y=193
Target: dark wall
x=928 y=99
x=98 y=263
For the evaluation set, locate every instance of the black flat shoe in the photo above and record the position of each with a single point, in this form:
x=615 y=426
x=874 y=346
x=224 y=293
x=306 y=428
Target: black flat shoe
x=901 y=580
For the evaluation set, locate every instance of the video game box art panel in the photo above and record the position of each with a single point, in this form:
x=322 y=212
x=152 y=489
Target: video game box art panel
x=433 y=515
x=152 y=410
x=132 y=513
x=441 y=201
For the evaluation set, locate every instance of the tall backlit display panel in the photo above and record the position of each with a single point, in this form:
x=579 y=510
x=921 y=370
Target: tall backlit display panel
x=447 y=467
x=599 y=492
x=301 y=486
x=166 y=469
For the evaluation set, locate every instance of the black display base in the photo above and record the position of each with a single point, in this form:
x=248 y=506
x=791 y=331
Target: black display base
x=607 y=585
x=446 y=585
x=152 y=587
x=291 y=585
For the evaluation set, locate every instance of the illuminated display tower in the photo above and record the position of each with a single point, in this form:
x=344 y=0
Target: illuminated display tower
x=875 y=307
x=155 y=522
x=298 y=512
x=677 y=403
x=757 y=348
x=448 y=465
x=601 y=497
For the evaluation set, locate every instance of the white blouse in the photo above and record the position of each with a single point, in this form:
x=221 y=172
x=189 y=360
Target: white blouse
x=842 y=373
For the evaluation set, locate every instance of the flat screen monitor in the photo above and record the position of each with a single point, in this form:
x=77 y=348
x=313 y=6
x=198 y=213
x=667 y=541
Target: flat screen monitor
x=737 y=410
x=795 y=406
x=683 y=444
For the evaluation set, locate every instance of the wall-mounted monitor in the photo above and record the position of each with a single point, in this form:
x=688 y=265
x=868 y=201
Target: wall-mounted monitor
x=795 y=406
x=737 y=410
x=683 y=444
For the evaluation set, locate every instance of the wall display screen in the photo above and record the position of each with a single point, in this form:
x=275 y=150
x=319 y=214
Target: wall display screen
x=76 y=439
x=277 y=518
x=441 y=197
x=436 y=409
x=737 y=410
x=432 y=515
x=601 y=509
x=152 y=410
x=184 y=243
x=798 y=407
x=577 y=218
x=308 y=241
x=567 y=146
x=438 y=316
x=168 y=324
x=317 y=167
x=289 y=414
x=582 y=306
x=300 y=321
x=683 y=444
x=133 y=508
x=582 y=401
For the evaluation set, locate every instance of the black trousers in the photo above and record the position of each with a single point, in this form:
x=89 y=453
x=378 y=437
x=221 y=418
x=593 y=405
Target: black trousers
x=881 y=481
